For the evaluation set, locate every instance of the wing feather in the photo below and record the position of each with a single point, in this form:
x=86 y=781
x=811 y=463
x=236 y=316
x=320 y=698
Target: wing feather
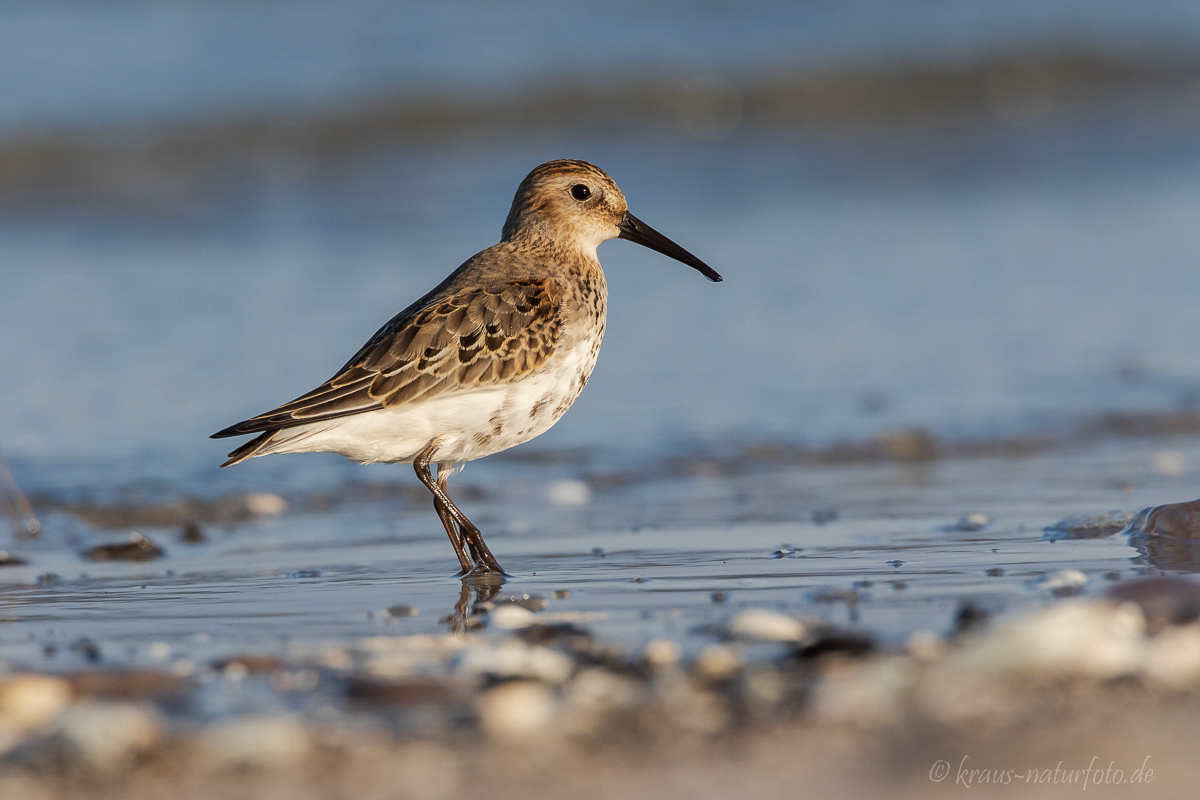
x=470 y=339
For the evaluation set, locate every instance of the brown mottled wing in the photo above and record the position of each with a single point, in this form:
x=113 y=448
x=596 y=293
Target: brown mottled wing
x=474 y=338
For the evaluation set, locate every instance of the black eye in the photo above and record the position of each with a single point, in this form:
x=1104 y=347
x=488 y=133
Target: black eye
x=580 y=192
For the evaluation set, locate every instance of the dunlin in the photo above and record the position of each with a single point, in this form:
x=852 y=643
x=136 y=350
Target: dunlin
x=489 y=359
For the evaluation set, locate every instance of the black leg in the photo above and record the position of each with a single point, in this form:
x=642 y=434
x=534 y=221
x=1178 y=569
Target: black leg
x=421 y=465
x=485 y=562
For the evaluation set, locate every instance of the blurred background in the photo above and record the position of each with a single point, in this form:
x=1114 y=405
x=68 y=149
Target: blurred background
x=970 y=218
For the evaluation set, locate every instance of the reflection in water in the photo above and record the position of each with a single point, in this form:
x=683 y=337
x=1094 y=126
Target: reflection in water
x=1168 y=553
x=473 y=602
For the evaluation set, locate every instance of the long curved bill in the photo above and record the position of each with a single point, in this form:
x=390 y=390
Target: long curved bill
x=634 y=230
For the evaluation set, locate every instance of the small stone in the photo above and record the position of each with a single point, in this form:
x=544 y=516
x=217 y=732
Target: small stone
x=1165 y=600
x=1062 y=581
x=1170 y=463
x=832 y=595
x=89 y=649
x=512 y=617
x=1173 y=657
x=824 y=516
x=717 y=662
x=7 y=559
x=269 y=740
x=191 y=533
x=265 y=504
x=763 y=625
x=1086 y=526
x=569 y=493
x=1180 y=520
x=692 y=708
x=516 y=659
x=1071 y=638
x=138 y=548
x=661 y=653
x=561 y=594
x=865 y=693
x=107 y=735
x=596 y=696
x=250 y=663
x=969 y=523
x=516 y=709
x=401 y=611
x=969 y=617
x=30 y=701
x=925 y=646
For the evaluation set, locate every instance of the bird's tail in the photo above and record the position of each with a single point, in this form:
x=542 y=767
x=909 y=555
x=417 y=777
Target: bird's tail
x=252 y=448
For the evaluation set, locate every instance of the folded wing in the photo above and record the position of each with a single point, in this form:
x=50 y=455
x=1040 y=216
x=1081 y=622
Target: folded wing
x=474 y=338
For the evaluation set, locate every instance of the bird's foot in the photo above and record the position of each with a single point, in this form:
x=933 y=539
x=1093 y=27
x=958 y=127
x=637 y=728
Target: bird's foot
x=485 y=575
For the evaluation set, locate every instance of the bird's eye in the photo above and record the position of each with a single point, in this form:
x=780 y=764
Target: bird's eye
x=580 y=192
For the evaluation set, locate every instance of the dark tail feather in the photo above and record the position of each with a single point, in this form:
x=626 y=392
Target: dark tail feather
x=250 y=448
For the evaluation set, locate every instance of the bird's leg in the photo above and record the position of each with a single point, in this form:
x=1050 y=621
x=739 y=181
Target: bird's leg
x=421 y=465
x=485 y=562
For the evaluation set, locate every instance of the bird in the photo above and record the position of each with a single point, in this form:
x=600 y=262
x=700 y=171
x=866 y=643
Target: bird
x=490 y=358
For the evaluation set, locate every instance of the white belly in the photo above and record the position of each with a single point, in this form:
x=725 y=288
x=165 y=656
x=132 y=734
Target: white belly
x=466 y=425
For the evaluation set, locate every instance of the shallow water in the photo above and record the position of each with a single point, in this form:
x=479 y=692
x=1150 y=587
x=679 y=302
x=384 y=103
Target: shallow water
x=872 y=548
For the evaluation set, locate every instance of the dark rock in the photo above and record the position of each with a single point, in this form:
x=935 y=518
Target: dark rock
x=1164 y=601
x=138 y=548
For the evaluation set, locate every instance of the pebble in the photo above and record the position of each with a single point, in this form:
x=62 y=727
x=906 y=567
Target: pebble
x=718 y=662
x=1086 y=526
x=511 y=617
x=597 y=696
x=1073 y=638
x=107 y=735
x=1170 y=463
x=516 y=709
x=764 y=625
x=515 y=659
x=267 y=740
x=969 y=523
x=868 y=693
x=1165 y=600
x=264 y=504
x=569 y=493
x=689 y=707
x=1181 y=520
x=138 y=548
x=1060 y=581
x=661 y=653
x=29 y=701
x=1173 y=658
x=7 y=559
